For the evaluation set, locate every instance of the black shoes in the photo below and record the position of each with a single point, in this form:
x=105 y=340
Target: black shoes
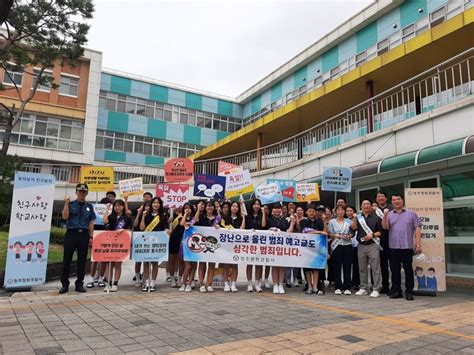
x=63 y=289
x=409 y=296
x=80 y=289
x=396 y=294
x=384 y=291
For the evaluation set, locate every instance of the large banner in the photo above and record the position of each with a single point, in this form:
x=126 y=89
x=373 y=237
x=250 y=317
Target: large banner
x=307 y=192
x=268 y=193
x=30 y=226
x=98 y=178
x=239 y=183
x=173 y=195
x=287 y=188
x=430 y=270
x=259 y=247
x=150 y=246
x=209 y=186
x=337 y=179
x=111 y=246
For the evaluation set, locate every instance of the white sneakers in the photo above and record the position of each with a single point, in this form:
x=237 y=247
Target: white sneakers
x=276 y=288
x=182 y=288
x=249 y=287
x=188 y=288
x=209 y=289
x=281 y=289
x=375 y=294
x=226 y=287
x=347 y=292
x=202 y=289
x=361 y=292
x=338 y=292
x=233 y=287
x=266 y=283
x=258 y=288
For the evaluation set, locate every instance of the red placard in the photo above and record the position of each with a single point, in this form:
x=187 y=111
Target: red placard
x=179 y=170
x=111 y=246
x=173 y=195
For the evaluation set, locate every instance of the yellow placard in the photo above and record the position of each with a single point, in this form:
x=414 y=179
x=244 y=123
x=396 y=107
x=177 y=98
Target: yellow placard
x=98 y=178
x=307 y=192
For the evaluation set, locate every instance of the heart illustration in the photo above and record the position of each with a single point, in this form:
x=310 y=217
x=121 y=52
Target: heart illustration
x=38 y=198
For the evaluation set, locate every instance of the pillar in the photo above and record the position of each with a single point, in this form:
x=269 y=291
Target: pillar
x=259 y=151
x=369 y=93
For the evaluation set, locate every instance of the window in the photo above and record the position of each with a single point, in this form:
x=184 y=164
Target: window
x=13 y=77
x=61 y=173
x=437 y=16
x=430 y=182
x=361 y=58
x=46 y=74
x=68 y=85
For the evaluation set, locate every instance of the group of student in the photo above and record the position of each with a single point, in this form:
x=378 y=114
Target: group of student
x=383 y=236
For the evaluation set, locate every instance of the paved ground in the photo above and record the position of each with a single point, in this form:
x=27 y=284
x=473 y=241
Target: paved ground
x=168 y=321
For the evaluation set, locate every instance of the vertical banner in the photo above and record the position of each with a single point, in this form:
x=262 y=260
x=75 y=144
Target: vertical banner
x=209 y=186
x=268 y=193
x=307 y=192
x=131 y=187
x=224 y=168
x=430 y=271
x=98 y=178
x=30 y=226
x=111 y=246
x=179 y=170
x=173 y=195
x=150 y=246
x=337 y=179
x=239 y=183
x=287 y=188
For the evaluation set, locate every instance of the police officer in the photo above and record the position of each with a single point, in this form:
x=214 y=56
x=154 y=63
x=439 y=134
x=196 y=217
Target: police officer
x=80 y=217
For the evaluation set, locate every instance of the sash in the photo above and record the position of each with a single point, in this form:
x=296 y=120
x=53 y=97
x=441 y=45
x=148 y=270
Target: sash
x=342 y=230
x=153 y=224
x=379 y=212
x=367 y=230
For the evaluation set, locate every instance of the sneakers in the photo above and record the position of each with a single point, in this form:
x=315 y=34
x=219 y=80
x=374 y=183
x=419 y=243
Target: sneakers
x=188 y=288
x=361 y=292
x=226 y=287
x=152 y=287
x=308 y=292
x=193 y=284
x=168 y=278
x=182 y=288
x=276 y=288
x=90 y=284
x=258 y=288
x=146 y=288
x=375 y=294
x=281 y=289
x=174 y=283
x=202 y=289
x=209 y=289
x=107 y=288
x=101 y=282
x=138 y=283
x=233 y=287
x=114 y=288
x=296 y=283
x=266 y=283
x=348 y=292
x=249 y=288
x=338 y=292
x=318 y=291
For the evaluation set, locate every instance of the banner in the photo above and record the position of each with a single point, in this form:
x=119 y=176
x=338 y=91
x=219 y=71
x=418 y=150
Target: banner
x=131 y=187
x=269 y=193
x=307 y=192
x=173 y=195
x=259 y=247
x=430 y=271
x=98 y=178
x=30 y=226
x=150 y=246
x=238 y=183
x=287 y=188
x=111 y=246
x=99 y=209
x=337 y=179
x=209 y=186
x=224 y=168
x=179 y=170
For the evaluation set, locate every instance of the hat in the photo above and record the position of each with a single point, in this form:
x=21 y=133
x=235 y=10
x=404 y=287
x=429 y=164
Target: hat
x=82 y=187
x=320 y=207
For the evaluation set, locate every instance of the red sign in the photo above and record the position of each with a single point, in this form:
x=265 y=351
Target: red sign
x=179 y=170
x=224 y=168
x=111 y=246
x=173 y=195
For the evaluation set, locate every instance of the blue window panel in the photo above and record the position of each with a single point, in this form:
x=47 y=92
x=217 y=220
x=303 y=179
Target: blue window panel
x=277 y=91
x=192 y=135
x=347 y=49
x=99 y=155
x=366 y=37
x=102 y=118
x=209 y=104
x=151 y=160
x=237 y=110
x=120 y=85
x=265 y=98
x=117 y=122
x=193 y=101
x=111 y=155
x=313 y=69
x=105 y=80
x=159 y=93
x=134 y=158
x=330 y=59
x=176 y=97
x=300 y=77
x=208 y=136
x=220 y=135
x=175 y=132
x=288 y=85
x=409 y=11
x=137 y=125
x=435 y=4
x=156 y=129
x=247 y=109
x=140 y=89
x=385 y=24
x=256 y=104
x=224 y=108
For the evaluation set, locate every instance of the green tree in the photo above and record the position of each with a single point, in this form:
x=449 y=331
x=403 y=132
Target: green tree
x=39 y=33
x=8 y=166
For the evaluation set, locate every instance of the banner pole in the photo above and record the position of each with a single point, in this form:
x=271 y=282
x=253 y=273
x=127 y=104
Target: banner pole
x=110 y=276
x=149 y=276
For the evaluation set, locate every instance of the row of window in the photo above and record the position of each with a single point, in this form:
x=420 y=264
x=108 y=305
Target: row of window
x=143 y=145
x=48 y=132
x=172 y=113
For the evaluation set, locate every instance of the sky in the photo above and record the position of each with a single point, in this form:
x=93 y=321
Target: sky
x=220 y=46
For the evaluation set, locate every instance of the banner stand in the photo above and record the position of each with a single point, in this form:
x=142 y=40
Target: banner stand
x=430 y=293
x=110 y=276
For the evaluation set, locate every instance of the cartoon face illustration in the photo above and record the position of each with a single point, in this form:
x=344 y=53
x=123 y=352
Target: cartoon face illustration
x=17 y=246
x=199 y=243
x=419 y=271
x=431 y=271
x=39 y=248
x=29 y=247
x=211 y=244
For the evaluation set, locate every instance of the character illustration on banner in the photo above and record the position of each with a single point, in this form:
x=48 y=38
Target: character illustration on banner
x=28 y=250
x=199 y=243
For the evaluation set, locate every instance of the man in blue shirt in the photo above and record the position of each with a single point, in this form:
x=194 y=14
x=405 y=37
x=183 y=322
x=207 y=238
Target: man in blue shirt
x=80 y=217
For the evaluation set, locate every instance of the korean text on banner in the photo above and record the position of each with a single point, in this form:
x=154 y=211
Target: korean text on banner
x=307 y=192
x=131 y=187
x=224 y=168
x=209 y=186
x=287 y=188
x=30 y=226
x=111 y=246
x=238 y=183
x=268 y=193
x=173 y=195
x=337 y=179
x=150 y=246
x=179 y=170
x=98 y=178
x=258 y=247
x=99 y=209
x=430 y=271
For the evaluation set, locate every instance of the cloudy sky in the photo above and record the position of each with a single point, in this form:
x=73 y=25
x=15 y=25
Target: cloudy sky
x=221 y=46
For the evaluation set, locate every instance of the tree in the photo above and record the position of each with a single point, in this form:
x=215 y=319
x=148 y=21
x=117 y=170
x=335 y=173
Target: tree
x=39 y=33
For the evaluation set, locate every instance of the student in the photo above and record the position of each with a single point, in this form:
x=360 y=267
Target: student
x=355 y=281
x=381 y=200
x=368 y=228
x=154 y=220
x=255 y=220
x=341 y=250
x=175 y=250
x=312 y=225
x=189 y=267
x=147 y=196
x=268 y=269
x=117 y=220
x=278 y=223
x=292 y=274
x=235 y=219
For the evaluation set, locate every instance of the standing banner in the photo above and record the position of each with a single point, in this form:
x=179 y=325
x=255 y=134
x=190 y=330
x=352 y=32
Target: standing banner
x=430 y=270
x=337 y=179
x=150 y=246
x=258 y=247
x=99 y=209
x=30 y=227
x=173 y=195
x=209 y=186
x=224 y=168
x=179 y=170
x=111 y=246
x=287 y=188
x=131 y=187
x=268 y=193
x=307 y=192
x=98 y=178
x=238 y=183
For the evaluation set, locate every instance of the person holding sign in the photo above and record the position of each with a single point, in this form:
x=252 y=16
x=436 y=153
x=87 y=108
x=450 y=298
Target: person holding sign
x=154 y=220
x=117 y=220
x=80 y=217
x=368 y=227
x=257 y=219
x=147 y=196
x=403 y=225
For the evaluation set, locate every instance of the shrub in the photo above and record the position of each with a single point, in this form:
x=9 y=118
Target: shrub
x=57 y=235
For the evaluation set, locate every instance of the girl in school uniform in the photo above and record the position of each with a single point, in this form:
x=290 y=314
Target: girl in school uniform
x=256 y=220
